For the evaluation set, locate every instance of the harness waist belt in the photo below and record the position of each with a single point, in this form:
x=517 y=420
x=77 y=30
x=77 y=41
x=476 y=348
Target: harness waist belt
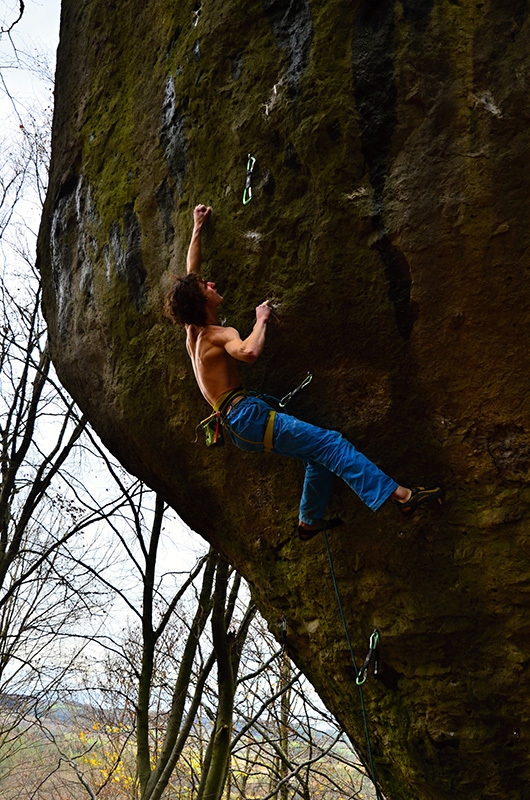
x=226 y=399
x=222 y=406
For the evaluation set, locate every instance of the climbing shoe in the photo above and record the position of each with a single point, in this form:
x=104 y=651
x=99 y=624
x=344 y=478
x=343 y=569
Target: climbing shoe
x=305 y=534
x=420 y=497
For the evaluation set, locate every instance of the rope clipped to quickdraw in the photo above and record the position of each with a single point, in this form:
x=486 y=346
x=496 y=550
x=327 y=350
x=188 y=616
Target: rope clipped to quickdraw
x=357 y=673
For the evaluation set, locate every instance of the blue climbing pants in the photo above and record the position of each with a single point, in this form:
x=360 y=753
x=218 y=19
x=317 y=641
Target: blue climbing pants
x=324 y=453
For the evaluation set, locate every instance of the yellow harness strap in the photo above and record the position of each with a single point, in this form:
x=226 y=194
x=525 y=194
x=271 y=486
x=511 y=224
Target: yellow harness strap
x=267 y=439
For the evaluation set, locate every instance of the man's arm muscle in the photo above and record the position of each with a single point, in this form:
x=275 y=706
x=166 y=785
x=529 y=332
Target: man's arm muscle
x=250 y=348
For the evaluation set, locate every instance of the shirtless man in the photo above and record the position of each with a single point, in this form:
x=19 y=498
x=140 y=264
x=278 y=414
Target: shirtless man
x=214 y=351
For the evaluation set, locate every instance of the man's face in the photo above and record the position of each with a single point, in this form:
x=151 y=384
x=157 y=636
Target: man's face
x=210 y=292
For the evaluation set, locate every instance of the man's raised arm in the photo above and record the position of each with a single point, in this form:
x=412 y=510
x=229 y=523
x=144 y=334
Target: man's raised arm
x=194 y=258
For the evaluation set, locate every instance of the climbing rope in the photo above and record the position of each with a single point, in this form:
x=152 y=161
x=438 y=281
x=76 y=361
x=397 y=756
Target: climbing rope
x=358 y=673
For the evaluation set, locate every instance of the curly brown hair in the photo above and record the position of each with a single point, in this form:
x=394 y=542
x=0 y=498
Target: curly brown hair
x=185 y=303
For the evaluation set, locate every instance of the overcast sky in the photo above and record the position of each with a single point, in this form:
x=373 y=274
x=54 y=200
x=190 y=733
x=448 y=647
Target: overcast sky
x=32 y=42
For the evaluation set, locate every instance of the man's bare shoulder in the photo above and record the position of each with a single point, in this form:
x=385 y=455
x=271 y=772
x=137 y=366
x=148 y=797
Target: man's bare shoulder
x=217 y=335
x=222 y=333
x=211 y=335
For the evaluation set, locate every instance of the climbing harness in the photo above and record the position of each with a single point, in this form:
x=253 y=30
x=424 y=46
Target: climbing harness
x=247 y=192
x=288 y=397
x=212 y=425
x=359 y=678
x=226 y=401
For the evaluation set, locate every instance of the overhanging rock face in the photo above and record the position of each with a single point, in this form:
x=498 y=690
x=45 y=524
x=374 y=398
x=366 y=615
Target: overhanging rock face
x=389 y=220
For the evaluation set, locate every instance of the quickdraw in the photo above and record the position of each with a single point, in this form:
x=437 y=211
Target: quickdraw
x=247 y=192
x=288 y=397
x=283 y=626
x=373 y=652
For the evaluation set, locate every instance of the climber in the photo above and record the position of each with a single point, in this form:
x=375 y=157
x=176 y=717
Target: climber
x=215 y=349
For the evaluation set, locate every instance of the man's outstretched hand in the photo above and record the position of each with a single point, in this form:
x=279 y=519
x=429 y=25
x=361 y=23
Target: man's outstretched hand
x=200 y=215
x=264 y=311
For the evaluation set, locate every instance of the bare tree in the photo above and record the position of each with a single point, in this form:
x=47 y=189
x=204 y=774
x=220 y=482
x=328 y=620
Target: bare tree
x=168 y=684
x=49 y=521
x=11 y=17
x=49 y=602
x=203 y=710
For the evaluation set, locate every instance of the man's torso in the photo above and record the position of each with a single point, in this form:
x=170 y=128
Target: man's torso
x=215 y=371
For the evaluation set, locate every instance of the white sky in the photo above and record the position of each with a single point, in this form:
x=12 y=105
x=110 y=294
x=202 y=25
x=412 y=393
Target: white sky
x=32 y=41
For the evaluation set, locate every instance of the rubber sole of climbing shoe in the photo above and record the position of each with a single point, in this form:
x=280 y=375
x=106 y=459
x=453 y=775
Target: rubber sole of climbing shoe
x=420 y=497
x=305 y=534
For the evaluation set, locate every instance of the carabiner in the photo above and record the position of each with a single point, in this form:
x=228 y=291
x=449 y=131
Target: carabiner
x=288 y=397
x=247 y=192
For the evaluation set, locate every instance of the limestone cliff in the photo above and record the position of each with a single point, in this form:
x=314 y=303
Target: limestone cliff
x=389 y=220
